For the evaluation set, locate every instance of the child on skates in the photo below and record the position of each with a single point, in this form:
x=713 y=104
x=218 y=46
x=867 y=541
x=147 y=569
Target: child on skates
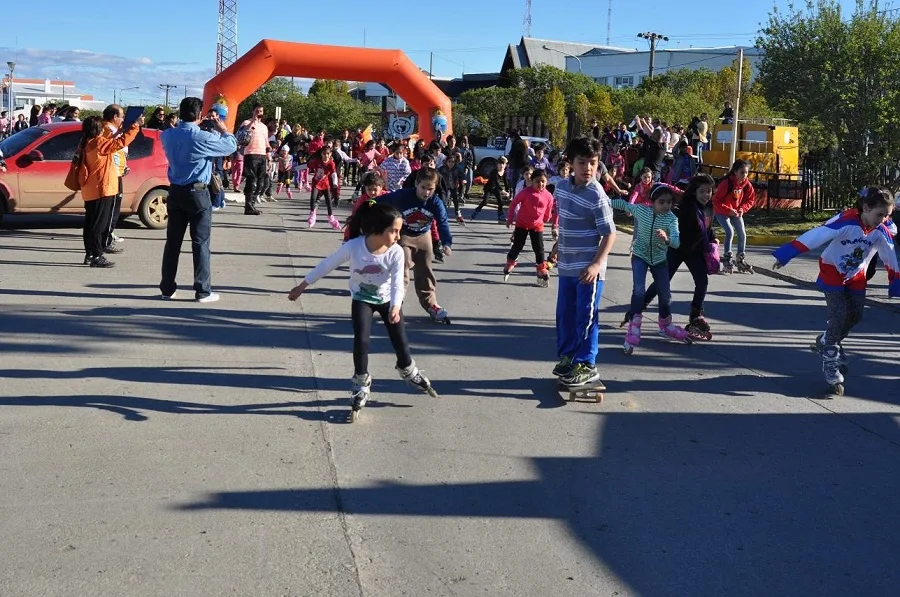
x=535 y=206
x=498 y=187
x=420 y=206
x=655 y=232
x=853 y=238
x=285 y=165
x=323 y=169
x=733 y=198
x=376 y=265
x=373 y=187
x=698 y=249
x=586 y=236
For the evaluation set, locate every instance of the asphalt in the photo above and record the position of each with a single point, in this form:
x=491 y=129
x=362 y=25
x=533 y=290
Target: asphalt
x=171 y=448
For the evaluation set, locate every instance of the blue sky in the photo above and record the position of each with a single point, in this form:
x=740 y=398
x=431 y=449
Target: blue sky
x=146 y=43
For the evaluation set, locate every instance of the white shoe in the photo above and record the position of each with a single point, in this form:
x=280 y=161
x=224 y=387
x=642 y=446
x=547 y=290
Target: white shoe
x=117 y=239
x=168 y=297
x=210 y=298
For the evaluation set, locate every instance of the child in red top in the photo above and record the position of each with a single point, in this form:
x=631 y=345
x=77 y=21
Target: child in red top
x=322 y=168
x=535 y=205
x=733 y=198
x=373 y=186
x=641 y=193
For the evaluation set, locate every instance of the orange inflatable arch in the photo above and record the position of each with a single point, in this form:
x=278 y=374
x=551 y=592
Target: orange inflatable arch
x=270 y=58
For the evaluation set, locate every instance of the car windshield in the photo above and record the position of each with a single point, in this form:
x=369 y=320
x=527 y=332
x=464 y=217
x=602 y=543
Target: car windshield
x=16 y=143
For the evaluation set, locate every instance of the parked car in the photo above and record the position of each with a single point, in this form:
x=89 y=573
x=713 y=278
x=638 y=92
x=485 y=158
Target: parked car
x=37 y=161
x=486 y=156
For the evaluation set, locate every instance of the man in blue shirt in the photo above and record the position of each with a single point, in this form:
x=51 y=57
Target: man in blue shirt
x=190 y=152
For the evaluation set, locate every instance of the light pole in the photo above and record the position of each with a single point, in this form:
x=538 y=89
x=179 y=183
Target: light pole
x=120 y=93
x=565 y=54
x=12 y=104
x=652 y=38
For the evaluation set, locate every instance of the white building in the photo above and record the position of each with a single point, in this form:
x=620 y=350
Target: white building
x=620 y=69
x=30 y=92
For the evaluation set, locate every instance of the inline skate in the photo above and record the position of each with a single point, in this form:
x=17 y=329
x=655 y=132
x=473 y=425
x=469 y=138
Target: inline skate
x=698 y=327
x=633 y=335
x=415 y=378
x=359 y=394
x=667 y=329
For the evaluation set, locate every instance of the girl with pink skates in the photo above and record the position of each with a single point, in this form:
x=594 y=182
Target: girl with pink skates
x=655 y=231
x=323 y=169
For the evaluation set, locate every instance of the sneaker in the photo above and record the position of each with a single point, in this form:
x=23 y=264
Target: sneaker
x=251 y=211
x=563 y=367
x=88 y=259
x=209 y=298
x=582 y=375
x=168 y=297
x=113 y=249
x=101 y=262
x=117 y=239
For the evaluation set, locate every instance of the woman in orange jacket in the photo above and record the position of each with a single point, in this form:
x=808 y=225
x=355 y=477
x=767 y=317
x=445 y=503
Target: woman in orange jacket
x=99 y=180
x=733 y=198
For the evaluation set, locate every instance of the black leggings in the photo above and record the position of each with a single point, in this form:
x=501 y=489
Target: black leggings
x=696 y=263
x=496 y=194
x=361 y=313
x=316 y=195
x=537 y=243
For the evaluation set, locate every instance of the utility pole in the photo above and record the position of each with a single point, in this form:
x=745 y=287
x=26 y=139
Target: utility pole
x=167 y=87
x=653 y=38
x=737 y=105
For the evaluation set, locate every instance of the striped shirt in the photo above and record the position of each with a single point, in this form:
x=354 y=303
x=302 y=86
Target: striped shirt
x=649 y=247
x=585 y=217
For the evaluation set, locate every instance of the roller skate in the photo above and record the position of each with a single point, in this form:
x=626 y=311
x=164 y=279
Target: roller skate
x=697 y=327
x=818 y=346
x=474 y=214
x=742 y=266
x=728 y=263
x=417 y=379
x=438 y=250
x=543 y=275
x=510 y=265
x=439 y=315
x=289 y=194
x=359 y=394
x=633 y=335
x=333 y=222
x=460 y=218
x=831 y=367
x=667 y=329
x=311 y=220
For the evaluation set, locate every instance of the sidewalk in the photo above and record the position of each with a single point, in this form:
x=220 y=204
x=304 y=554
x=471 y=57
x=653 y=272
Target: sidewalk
x=171 y=448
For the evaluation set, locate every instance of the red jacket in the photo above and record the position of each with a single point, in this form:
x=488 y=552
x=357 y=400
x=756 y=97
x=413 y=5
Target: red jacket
x=535 y=208
x=731 y=195
x=356 y=205
x=323 y=183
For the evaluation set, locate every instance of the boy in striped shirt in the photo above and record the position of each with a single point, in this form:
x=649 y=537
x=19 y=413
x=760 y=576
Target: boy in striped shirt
x=586 y=236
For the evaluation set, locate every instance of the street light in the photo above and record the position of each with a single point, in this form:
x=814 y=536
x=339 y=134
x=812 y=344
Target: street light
x=12 y=106
x=546 y=47
x=120 y=93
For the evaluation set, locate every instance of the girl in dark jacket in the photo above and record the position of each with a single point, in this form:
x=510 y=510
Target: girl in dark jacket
x=695 y=218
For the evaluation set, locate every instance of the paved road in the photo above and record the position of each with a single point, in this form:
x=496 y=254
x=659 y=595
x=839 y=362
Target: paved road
x=151 y=448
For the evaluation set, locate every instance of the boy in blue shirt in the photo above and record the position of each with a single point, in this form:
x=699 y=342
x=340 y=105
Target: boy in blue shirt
x=420 y=206
x=586 y=236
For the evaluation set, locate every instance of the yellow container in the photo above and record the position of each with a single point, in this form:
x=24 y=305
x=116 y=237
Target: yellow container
x=770 y=145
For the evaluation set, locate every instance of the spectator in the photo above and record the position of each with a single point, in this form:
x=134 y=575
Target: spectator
x=727 y=115
x=72 y=115
x=157 y=119
x=99 y=182
x=113 y=116
x=190 y=152
x=171 y=121
x=21 y=124
x=5 y=124
x=47 y=114
x=35 y=114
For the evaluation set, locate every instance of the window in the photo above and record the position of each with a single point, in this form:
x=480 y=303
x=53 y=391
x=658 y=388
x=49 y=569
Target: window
x=601 y=80
x=16 y=143
x=141 y=147
x=60 y=148
x=624 y=82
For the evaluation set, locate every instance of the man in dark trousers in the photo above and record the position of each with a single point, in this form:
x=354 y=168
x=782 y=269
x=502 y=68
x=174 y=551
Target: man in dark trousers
x=191 y=152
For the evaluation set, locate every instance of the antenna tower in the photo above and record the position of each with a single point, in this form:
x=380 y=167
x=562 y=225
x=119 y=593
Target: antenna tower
x=608 y=21
x=226 y=48
x=526 y=21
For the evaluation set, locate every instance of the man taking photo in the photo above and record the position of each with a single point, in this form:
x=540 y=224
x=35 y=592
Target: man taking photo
x=191 y=152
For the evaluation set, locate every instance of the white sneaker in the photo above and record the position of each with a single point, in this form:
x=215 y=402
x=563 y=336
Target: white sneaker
x=209 y=298
x=168 y=297
x=117 y=239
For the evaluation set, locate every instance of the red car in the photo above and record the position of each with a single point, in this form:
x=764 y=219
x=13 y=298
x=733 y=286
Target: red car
x=37 y=161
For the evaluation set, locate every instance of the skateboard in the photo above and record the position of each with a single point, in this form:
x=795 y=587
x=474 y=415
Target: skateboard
x=589 y=392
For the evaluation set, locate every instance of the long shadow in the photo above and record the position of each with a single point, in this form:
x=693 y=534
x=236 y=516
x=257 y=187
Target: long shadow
x=684 y=504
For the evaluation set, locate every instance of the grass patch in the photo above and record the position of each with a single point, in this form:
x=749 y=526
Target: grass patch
x=777 y=222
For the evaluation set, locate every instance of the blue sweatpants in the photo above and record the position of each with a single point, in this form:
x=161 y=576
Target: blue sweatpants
x=577 y=328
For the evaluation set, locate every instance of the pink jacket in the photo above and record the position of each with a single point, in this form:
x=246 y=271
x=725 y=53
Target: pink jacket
x=535 y=208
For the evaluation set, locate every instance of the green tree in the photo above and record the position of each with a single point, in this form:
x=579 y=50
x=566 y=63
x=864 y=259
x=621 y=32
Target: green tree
x=279 y=91
x=841 y=73
x=553 y=114
x=329 y=86
x=536 y=81
x=601 y=106
x=334 y=113
x=490 y=107
x=582 y=114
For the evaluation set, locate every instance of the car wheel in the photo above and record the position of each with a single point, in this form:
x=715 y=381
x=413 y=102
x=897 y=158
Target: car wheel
x=153 y=211
x=486 y=167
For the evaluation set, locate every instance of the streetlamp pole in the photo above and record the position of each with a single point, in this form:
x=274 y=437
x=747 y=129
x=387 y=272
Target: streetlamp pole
x=653 y=38
x=565 y=54
x=12 y=105
x=121 y=91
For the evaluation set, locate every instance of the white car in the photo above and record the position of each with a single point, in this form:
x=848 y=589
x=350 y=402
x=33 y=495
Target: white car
x=486 y=157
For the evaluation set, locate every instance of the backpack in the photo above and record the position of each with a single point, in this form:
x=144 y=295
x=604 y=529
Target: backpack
x=243 y=136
